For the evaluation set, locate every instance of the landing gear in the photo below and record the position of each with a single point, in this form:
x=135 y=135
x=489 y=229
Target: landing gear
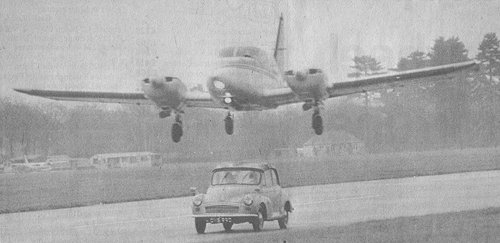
x=317 y=122
x=229 y=123
x=177 y=129
x=306 y=106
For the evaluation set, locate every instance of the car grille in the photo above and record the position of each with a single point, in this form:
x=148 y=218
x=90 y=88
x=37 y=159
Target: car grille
x=222 y=209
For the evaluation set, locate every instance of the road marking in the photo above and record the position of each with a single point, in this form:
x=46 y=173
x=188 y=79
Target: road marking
x=133 y=221
x=340 y=199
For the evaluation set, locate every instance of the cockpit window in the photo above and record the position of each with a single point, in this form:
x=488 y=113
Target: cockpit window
x=227 y=52
x=314 y=71
x=254 y=55
x=248 y=52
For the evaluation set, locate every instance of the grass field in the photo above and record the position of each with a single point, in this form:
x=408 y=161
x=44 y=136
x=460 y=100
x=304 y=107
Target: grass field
x=469 y=226
x=60 y=189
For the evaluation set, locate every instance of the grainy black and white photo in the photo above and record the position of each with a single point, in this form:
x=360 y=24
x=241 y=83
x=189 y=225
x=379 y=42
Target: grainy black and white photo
x=249 y=121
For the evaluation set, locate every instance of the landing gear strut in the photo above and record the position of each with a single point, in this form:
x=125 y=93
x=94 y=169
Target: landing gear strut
x=229 y=123
x=317 y=121
x=177 y=129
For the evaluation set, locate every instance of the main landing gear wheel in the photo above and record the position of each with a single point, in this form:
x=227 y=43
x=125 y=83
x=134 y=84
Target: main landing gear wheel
x=177 y=129
x=200 y=225
x=317 y=123
x=229 y=124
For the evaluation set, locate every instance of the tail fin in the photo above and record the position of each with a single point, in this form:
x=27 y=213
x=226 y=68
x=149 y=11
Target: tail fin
x=279 y=48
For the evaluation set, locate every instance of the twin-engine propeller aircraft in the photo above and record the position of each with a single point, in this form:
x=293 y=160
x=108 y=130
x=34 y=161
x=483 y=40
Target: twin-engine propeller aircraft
x=247 y=78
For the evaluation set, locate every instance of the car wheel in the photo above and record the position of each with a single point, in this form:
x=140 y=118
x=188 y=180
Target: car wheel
x=200 y=225
x=258 y=223
x=283 y=222
x=227 y=226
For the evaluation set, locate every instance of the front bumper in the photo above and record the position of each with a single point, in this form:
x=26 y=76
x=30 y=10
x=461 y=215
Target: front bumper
x=215 y=218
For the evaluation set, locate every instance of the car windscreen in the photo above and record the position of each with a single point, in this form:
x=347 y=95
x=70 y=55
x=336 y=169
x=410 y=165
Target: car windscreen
x=238 y=177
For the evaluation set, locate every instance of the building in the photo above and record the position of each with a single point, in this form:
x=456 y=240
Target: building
x=332 y=143
x=123 y=160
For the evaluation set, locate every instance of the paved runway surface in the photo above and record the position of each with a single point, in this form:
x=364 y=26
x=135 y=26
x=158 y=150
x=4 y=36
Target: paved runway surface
x=169 y=220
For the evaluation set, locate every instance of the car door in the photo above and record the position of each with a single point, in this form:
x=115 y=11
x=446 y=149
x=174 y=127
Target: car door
x=268 y=191
x=276 y=193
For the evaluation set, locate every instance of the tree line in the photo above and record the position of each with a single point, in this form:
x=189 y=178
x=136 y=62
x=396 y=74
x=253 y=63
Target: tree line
x=458 y=112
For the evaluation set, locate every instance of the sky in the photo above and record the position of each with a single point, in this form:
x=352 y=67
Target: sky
x=111 y=45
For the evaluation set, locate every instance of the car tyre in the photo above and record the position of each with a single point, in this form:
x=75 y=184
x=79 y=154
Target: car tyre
x=283 y=222
x=227 y=226
x=258 y=223
x=200 y=225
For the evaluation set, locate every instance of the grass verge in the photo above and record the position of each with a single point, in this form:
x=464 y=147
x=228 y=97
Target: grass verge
x=467 y=226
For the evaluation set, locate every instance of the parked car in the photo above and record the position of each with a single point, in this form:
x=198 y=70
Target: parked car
x=26 y=164
x=241 y=193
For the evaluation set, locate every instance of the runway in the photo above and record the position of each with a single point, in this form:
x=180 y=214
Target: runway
x=169 y=220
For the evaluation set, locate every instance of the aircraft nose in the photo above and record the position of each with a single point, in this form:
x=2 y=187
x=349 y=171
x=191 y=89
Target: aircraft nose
x=220 y=82
x=156 y=83
x=300 y=76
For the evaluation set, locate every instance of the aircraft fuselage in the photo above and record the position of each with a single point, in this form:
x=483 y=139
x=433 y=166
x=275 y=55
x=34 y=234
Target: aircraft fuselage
x=240 y=83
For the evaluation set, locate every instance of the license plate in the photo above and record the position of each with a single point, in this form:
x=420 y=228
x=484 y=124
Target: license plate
x=217 y=220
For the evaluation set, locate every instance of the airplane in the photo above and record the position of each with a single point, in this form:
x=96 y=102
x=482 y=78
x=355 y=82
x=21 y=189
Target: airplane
x=248 y=78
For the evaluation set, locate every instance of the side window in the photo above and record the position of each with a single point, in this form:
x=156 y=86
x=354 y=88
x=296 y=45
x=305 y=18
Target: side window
x=268 y=176
x=276 y=180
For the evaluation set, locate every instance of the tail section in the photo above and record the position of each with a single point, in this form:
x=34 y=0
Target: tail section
x=279 y=48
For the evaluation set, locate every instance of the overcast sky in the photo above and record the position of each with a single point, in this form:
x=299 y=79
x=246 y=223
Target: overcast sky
x=110 y=45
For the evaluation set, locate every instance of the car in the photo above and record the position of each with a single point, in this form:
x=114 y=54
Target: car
x=241 y=193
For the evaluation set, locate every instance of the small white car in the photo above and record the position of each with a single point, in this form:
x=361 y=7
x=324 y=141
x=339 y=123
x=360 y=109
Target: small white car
x=240 y=193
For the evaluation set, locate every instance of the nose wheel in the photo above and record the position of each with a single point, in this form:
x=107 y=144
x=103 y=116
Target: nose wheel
x=164 y=114
x=229 y=123
x=317 y=122
x=177 y=129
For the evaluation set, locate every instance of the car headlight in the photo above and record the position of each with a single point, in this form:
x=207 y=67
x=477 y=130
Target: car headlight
x=247 y=200
x=197 y=200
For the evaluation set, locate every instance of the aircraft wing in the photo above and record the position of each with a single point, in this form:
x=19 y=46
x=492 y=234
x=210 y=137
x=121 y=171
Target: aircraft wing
x=201 y=99
x=192 y=99
x=90 y=96
x=387 y=81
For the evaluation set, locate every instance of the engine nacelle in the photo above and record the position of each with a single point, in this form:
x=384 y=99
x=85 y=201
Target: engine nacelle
x=166 y=92
x=308 y=84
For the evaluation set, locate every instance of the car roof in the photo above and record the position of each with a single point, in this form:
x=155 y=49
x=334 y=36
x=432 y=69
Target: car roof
x=245 y=165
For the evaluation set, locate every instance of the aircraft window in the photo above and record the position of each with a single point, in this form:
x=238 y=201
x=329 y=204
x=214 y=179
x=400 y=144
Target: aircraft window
x=314 y=71
x=227 y=52
x=247 y=52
